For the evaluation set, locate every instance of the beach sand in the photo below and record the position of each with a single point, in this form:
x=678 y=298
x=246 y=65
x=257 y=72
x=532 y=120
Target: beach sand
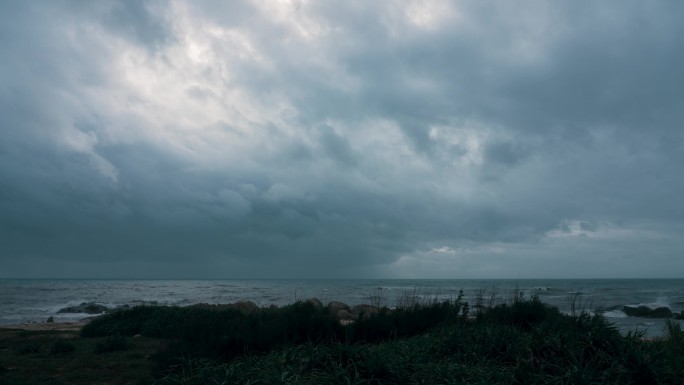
x=47 y=326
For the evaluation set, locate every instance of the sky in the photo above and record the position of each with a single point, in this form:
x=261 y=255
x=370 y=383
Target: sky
x=341 y=139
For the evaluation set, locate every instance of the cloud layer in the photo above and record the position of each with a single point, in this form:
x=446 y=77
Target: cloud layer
x=341 y=139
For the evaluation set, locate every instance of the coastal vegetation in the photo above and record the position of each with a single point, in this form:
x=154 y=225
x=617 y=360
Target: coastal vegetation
x=520 y=341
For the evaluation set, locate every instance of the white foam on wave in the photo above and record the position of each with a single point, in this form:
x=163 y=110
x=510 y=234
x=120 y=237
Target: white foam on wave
x=651 y=305
x=614 y=314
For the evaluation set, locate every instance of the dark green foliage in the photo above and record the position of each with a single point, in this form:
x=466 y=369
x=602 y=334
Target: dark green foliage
x=522 y=342
x=403 y=322
x=29 y=349
x=112 y=344
x=583 y=350
x=221 y=332
x=127 y=322
x=227 y=333
x=523 y=314
x=62 y=347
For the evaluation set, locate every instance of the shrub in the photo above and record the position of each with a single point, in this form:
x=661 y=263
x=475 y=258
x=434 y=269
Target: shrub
x=523 y=314
x=62 y=347
x=112 y=344
x=29 y=349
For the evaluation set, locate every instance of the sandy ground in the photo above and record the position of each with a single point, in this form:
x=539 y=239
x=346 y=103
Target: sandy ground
x=42 y=326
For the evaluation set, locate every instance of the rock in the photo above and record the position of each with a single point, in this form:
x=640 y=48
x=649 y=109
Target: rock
x=246 y=307
x=336 y=306
x=661 y=312
x=344 y=315
x=364 y=311
x=634 y=311
x=243 y=307
x=647 y=312
x=85 y=307
x=50 y=319
x=316 y=303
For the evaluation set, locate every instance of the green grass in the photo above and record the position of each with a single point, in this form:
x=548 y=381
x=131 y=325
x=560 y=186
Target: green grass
x=517 y=342
x=82 y=366
x=62 y=347
x=112 y=344
x=523 y=342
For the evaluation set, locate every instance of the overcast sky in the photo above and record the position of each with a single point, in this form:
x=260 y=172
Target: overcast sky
x=352 y=139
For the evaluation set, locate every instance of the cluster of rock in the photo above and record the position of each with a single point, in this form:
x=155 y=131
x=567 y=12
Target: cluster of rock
x=91 y=308
x=651 y=312
x=344 y=313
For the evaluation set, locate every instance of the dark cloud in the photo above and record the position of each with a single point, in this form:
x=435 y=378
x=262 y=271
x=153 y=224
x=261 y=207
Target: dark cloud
x=141 y=21
x=233 y=139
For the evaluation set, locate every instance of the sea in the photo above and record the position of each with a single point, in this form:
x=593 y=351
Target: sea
x=34 y=300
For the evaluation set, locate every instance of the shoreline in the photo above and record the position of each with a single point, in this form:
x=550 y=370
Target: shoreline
x=48 y=326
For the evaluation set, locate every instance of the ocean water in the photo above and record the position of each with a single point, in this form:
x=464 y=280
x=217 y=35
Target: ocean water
x=25 y=301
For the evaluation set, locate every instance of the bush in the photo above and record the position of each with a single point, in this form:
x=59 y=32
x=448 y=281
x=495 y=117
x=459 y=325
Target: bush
x=112 y=344
x=215 y=331
x=524 y=341
x=29 y=349
x=62 y=347
x=523 y=314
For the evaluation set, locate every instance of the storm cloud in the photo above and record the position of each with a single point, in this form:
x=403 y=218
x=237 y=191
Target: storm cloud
x=251 y=139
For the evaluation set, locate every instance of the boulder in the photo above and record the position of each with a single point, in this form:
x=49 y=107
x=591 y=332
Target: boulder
x=344 y=315
x=85 y=307
x=364 y=311
x=243 y=307
x=316 y=303
x=636 y=311
x=336 y=306
x=661 y=312
x=647 y=312
x=246 y=307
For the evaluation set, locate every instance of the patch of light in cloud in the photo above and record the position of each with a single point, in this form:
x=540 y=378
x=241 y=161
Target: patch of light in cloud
x=578 y=228
x=428 y=14
x=293 y=15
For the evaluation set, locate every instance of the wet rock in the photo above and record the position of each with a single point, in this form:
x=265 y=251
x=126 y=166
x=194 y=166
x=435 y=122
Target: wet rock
x=243 y=307
x=344 y=315
x=661 y=312
x=316 y=303
x=636 y=311
x=647 y=312
x=364 y=311
x=246 y=307
x=85 y=307
x=335 y=306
